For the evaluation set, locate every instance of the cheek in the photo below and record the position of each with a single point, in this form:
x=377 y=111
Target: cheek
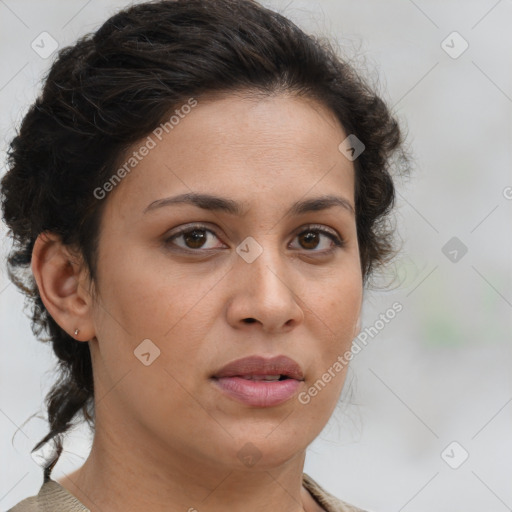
x=341 y=303
x=143 y=300
x=146 y=315
x=341 y=306
x=149 y=296
x=337 y=310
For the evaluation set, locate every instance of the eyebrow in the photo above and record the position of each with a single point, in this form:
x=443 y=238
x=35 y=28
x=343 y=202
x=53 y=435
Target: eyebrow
x=215 y=203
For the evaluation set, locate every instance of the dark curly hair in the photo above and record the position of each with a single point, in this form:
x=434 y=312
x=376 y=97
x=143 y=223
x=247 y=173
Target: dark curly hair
x=115 y=86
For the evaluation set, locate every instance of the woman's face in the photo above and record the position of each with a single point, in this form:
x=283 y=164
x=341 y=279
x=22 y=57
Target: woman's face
x=173 y=309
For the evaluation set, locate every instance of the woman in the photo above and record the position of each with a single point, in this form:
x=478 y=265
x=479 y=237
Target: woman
x=201 y=195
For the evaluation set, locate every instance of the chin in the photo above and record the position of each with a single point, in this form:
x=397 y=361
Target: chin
x=262 y=451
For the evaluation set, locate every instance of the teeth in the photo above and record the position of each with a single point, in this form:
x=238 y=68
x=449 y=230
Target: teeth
x=261 y=377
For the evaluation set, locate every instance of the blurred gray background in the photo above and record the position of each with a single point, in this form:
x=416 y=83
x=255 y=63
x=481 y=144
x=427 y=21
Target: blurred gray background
x=426 y=418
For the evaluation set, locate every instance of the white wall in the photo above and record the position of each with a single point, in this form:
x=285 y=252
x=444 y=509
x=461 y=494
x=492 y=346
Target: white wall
x=440 y=371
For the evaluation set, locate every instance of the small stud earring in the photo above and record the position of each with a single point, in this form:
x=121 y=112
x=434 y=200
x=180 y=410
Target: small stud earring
x=77 y=331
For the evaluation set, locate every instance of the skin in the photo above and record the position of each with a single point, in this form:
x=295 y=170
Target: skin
x=166 y=438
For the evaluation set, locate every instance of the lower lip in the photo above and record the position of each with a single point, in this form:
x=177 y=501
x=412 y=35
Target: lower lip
x=258 y=393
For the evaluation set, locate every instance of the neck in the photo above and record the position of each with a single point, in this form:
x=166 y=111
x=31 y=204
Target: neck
x=122 y=476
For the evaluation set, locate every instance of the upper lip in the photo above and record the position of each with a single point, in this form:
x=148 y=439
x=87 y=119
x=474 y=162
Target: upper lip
x=259 y=365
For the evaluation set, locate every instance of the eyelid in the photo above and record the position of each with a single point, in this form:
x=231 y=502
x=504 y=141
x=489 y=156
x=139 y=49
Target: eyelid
x=191 y=227
x=320 y=227
x=333 y=234
x=338 y=240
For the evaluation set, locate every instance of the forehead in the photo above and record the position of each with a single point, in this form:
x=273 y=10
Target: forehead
x=251 y=148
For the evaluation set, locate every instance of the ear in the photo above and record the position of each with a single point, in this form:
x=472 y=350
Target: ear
x=63 y=285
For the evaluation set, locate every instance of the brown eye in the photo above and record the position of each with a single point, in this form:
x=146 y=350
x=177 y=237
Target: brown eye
x=313 y=238
x=309 y=239
x=193 y=238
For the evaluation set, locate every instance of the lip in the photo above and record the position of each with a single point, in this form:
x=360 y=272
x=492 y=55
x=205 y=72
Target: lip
x=230 y=381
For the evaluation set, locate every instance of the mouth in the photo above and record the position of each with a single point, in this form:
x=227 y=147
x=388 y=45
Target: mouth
x=258 y=381
x=267 y=378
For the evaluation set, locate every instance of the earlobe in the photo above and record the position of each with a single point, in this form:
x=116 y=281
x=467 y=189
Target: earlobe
x=57 y=273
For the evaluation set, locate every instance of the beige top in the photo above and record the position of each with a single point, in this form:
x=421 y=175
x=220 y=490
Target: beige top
x=53 y=497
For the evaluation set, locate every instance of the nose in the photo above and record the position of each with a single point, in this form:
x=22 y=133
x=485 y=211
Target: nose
x=264 y=292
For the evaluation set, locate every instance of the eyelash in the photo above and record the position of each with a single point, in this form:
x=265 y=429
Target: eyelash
x=339 y=242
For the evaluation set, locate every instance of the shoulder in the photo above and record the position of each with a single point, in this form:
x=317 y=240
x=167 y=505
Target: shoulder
x=52 y=497
x=329 y=502
x=26 y=505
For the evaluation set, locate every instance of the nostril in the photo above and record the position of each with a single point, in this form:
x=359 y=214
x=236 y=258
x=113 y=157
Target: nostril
x=249 y=320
